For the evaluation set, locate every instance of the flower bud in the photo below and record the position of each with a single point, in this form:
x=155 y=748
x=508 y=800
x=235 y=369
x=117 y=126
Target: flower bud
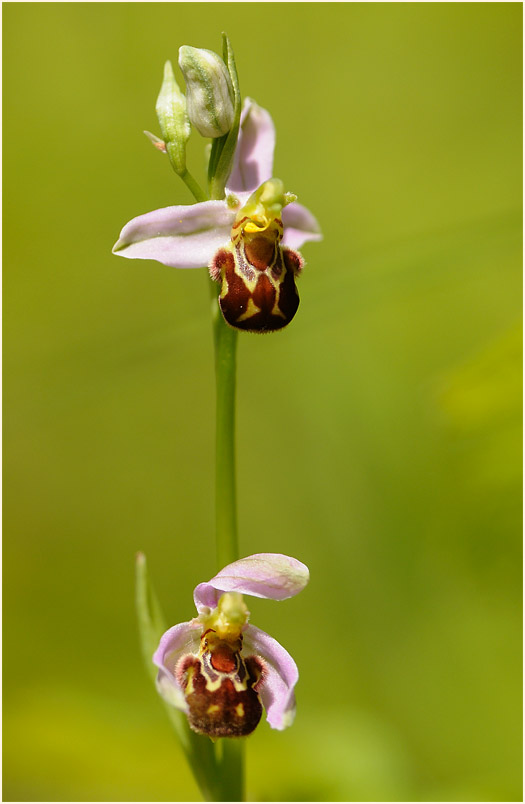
x=209 y=91
x=173 y=119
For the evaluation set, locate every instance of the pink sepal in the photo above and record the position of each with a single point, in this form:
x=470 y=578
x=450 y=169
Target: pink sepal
x=269 y=575
x=180 y=237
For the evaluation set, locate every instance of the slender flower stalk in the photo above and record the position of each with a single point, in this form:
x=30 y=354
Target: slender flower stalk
x=217 y=672
x=225 y=340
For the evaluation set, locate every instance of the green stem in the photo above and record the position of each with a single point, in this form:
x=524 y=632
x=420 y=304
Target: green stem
x=232 y=770
x=225 y=339
x=193 y=186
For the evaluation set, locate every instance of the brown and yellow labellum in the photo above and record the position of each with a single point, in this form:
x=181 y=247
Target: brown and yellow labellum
x=257 y=276
x=221 y=689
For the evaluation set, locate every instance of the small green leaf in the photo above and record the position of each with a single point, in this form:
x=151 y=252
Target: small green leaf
x=199 y=750
x=151 y=621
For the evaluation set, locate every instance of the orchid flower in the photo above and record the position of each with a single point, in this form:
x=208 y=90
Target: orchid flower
x=219 y=669
x=248 y=240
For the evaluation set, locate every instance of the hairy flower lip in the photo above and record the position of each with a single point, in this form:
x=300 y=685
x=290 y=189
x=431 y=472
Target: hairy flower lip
x=267 y=575
x=189 y=236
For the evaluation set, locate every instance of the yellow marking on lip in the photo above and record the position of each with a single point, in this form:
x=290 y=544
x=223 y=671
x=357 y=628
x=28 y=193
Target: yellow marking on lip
x=276 y=310
x=212 y=686
x=225 y=288
x=212 y=709
x=239 y=710
x=251 y=310
x=190 y=689
x=239 y=686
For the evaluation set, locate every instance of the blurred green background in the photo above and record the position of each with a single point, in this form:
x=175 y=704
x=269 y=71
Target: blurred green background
x=378 y=436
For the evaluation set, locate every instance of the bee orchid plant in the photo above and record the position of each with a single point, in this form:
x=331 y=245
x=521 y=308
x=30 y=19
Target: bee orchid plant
x=217 y=672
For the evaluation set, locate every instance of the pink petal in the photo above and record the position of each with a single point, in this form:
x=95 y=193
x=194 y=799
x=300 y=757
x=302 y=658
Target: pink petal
x=279 y=678
x=269 y=575
x=299 y=226
x=253 y=162
x=179 y=640
x=181 y=237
